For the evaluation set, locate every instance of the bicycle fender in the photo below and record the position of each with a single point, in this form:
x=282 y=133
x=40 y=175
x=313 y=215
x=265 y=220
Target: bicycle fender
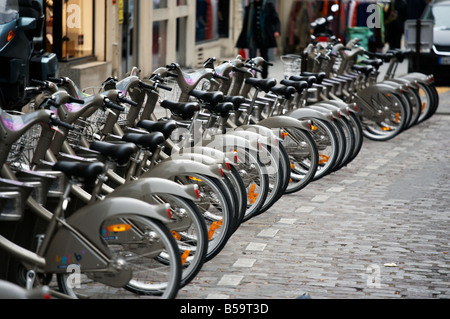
x=67 y=248
x=247 y=134
x=144 y=187
x=334 y=113
x=172 y=167
x=344 y=108
x=272 y=134
x=308 y=113
x=417 y=76
x=281 y=121
x=339 y=109
x=229 y=143
x=206 y=155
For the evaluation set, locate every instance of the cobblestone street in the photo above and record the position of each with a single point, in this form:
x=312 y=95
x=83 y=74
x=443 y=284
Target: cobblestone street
x=375 y=229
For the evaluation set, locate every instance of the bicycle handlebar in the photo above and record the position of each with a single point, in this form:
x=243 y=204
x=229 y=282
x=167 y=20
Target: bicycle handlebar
x=57 y=122
x=107 y=103
x=162 y=86
x=218 y=76
x=123 y=99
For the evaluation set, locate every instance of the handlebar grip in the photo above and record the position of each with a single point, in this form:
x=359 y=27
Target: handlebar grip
x=218 y=76
x=57 y=122
x=174 y=75
x=38 y=82
x=146 y=86
x=125 y=100
x=76 y=101
x=164 y=87
x=52 y=103
x=236 y=69
x=112 y=105
x=59 y=81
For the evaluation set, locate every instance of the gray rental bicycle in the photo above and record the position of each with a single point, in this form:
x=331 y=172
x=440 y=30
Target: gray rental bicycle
x=186 y=223
x=130 y=223
x=214 y=202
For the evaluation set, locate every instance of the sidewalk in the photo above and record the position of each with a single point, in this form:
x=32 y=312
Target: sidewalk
x=377 y=229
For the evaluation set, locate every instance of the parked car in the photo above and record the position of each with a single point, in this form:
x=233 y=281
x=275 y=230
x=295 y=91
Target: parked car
x=437 y=61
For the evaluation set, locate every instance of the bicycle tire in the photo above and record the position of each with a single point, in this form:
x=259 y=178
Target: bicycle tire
x=152 y=234
x=216 y=209
x=385 y=129
x=327 y=144
x=303 y=170
x=188 y=227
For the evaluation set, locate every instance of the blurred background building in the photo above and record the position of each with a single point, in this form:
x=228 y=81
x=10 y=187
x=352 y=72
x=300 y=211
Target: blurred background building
x=95 y=39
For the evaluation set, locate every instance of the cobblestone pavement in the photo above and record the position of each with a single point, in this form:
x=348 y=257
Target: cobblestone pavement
x=378 y=228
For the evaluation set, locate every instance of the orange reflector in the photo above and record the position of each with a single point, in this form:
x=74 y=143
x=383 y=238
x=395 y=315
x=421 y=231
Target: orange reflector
x=213 y=228
x=11 y=35
x=184 y=256
x=292 y=166
x=323 y=159
x=424 y=104
x=397 y=118
x=195 y=179
x=386 y=128
x=284 y=135
x=313 y=127
x=176 y=235
x=118 y=228
x=252 y=196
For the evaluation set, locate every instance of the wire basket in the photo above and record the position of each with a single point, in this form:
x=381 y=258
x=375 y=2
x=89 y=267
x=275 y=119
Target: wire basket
x=292 y=65
x=22 y=151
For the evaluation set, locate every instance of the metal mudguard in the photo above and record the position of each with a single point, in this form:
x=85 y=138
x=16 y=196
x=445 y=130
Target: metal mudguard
x=272 y=134
x=342 y=106
x=67 y=248
x=321 y=108
x=416 y=76
x=308 y=113
x=285 y=121
x=143 y=188
x=172 y=167
x=230 y=142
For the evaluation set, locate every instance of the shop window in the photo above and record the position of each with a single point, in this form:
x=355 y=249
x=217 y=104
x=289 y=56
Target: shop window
x=159 y=43
x=207 y=20
x=159 y=4
x=70 y=28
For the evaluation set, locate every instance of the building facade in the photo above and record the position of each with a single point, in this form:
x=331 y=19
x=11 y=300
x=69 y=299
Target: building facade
x=95 y=39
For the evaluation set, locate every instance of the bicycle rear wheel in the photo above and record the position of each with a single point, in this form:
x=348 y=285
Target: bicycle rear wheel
x=188 y=227
x=216 y=208
x=136 y=243
x=386 y=119
x=303 y=156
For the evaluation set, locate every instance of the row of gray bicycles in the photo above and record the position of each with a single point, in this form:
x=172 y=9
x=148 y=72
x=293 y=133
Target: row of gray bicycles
x=102 y=195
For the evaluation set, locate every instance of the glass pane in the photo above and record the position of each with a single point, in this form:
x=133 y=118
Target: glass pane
x=181 y=2
x=207 y=20
x=78 y=29
x=159 y=4
x=159 y=44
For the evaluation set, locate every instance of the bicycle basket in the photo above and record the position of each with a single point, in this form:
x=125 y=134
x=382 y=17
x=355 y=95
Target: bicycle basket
x=13 y=196
x=22 y=150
